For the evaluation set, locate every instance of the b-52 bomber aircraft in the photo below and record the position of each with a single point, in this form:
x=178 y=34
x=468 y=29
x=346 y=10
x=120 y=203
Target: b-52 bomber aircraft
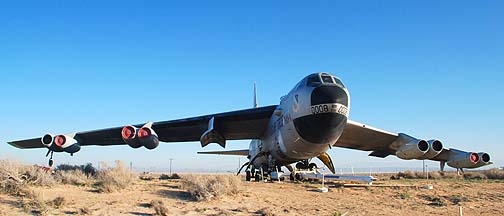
x=310 y=119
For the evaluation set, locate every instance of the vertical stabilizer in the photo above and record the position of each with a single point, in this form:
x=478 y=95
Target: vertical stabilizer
x=255 y=96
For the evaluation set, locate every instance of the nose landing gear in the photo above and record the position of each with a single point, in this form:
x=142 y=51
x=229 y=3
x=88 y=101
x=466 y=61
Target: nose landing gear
x=305 y=165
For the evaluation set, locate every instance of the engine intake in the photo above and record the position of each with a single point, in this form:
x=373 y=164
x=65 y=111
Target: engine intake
x=148 y=137
x=129 y=135
x=65 y=143
x=47 y=140
x=435 y=147
x=412 y=150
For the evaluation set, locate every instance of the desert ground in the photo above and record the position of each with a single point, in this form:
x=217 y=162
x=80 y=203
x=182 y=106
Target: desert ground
x=476 y=197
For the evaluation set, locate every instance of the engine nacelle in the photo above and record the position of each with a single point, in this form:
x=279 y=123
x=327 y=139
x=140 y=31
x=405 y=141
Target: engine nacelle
x=148 y=137
x=462 y=159
x=435 y=147
x=412 y=150
x=129 y=135
x=47 y=140
x=66 y=143
x=484 y=160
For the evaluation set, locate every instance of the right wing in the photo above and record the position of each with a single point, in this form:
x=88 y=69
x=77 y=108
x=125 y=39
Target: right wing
x=242 y=124
x=366 y=138
x=382 y=143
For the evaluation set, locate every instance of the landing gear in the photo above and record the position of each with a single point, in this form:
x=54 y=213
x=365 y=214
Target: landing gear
x=258 y=177
x=305 y=165
x=51 y=161
x=247 y=175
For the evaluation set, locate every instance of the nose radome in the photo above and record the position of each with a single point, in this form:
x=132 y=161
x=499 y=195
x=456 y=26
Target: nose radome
x=329 y=94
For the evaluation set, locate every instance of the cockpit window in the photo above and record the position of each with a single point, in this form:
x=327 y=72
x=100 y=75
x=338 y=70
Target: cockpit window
x=313 y=80
x=327 y=79
x=338 y=81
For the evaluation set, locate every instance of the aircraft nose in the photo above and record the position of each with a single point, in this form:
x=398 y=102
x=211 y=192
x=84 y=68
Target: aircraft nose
x=328 y=116
x=329 y=94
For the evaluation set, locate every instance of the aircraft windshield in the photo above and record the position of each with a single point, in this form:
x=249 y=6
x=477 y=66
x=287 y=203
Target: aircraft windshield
x=313 y=80
x=338 y=81
x=327 y=79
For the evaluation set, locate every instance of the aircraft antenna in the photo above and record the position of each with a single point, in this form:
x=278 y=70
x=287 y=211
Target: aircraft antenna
x=255 y=96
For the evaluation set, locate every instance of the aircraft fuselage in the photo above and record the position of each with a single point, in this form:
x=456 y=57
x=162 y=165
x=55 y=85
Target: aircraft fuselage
x=308 y=121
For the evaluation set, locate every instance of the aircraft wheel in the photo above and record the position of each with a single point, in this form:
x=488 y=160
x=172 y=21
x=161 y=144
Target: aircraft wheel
x=312 y=166
x=247 y=176
x=291 y=177
x=298 y=177
x=51 y=162
x=258 y=177
x=300 y=166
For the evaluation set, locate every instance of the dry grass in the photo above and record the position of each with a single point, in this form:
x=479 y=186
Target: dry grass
x=73 y=177
x=159 y=208
x=474 y=175
x=33 y=202
x=206 y=187
x=494 y=173
x=57 y=203
x=114 y=179
x=15 y=177
x=84 y=211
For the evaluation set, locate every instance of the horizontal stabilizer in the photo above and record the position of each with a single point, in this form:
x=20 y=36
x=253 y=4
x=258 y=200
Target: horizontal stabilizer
x=243 y=152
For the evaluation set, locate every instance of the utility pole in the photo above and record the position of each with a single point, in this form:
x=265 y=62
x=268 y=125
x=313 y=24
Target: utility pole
x=131 y=166
x=423 y=167
x=239 y=164
x=170 y=164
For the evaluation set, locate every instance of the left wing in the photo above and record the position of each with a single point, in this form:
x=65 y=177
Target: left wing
x=242 y=124
x=242 y=152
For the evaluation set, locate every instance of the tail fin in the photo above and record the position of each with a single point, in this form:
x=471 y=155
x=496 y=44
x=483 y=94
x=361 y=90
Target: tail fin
x=255 y=96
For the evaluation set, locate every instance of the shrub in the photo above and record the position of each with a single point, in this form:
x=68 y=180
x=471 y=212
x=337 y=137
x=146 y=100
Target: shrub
x=159 y=208
x=84 y=211
x=474 y=175
x=175 y=176
x=408 y=174
x=14 y=177
x=88 y=169
x=33 y=202
x=166 y=177
x=206 y=187
x=494 y=173
x=451 y=175
x=73 y=177
x=57 y=203
x=114 y=179
x=435 y=175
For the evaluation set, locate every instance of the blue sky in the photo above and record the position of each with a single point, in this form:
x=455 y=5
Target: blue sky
x=427 y=68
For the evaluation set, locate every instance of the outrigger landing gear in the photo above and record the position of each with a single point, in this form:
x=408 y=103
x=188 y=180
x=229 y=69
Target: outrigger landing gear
x=51 y=161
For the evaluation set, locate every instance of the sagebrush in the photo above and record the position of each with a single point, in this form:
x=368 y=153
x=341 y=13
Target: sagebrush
x=114 y=179
x=206 y=187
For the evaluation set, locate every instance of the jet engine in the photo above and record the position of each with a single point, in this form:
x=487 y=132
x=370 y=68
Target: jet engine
x=462 y=159
x=47 y=140
x=66 y=143
x=435 y=147
x=148 y=137
x=413 y=149
x=484 y=159
x=129 y=135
